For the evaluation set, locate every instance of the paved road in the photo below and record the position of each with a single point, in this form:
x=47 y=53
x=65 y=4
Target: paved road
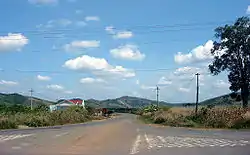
x=123 y=136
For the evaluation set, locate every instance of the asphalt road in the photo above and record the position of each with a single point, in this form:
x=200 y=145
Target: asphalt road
x=123 y=136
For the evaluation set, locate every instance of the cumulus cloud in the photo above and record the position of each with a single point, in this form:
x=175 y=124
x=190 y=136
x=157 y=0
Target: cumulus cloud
x=198 y=54
x=43 y=78
x=56 y=23
x=115 y=72
x=78 y=11
x=81 y=45
x=221 y=84
x=43 y=1
x=127 y=52
x=110 y=29
x=123 y=35
x=58 y=89
x=186 y=90
x=92 y=80
x=80 y=23
x=12 y=42
x=248 y=10
x=187 y=70
x=147 y=87
x=55 y=87
x=164 y=81
x=92 y=18
x=8 y=83
x=137 y=82
x=68 y=92
x=86 y=62
x=98 y=66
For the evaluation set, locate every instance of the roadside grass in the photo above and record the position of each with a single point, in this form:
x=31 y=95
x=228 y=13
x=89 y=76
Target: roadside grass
x=214 y=117
x=43 y=118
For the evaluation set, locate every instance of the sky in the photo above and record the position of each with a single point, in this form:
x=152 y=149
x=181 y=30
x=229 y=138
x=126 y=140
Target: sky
x=107 y=49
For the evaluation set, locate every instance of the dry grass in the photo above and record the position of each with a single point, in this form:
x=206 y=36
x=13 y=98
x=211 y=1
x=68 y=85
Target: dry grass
x=218 y=117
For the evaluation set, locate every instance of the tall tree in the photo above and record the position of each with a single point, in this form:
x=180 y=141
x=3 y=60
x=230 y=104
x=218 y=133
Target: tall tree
x=232 y=54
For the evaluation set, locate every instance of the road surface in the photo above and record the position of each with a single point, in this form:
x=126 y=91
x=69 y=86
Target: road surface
x=123 y=136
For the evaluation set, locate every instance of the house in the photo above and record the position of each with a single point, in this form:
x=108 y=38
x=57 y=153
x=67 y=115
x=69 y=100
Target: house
x=64 y=104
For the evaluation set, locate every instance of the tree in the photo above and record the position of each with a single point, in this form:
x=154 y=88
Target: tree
x=232 y=54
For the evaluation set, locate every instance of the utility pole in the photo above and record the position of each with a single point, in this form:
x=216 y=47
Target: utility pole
x=31 y=98
x=197 y=93
x=157 y=96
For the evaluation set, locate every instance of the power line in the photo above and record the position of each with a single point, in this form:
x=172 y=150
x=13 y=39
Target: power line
x=71 y=72
x=148 y=28
x=87 y=71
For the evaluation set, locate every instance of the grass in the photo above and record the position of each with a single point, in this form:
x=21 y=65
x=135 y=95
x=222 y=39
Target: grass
x=215 y=117
x=42 y=117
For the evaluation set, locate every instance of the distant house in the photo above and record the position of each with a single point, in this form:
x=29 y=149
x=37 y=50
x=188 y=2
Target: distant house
x=64 y=104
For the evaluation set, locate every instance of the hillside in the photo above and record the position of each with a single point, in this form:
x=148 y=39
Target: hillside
x=15 y=98
x=122 y=102
x=228 y=99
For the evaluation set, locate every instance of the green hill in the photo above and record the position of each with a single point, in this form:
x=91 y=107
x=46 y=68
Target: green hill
x=121 y=102
x=10 y=99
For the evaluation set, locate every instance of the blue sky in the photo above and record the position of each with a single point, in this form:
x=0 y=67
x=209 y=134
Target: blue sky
x=107 y=49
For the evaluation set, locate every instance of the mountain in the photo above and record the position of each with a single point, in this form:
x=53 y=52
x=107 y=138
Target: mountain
x=228 y=99
x=122 y=102
x=15 y=98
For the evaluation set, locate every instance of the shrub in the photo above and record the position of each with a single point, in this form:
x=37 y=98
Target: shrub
x=222 y=117
x=40 y=117
x=7 y=124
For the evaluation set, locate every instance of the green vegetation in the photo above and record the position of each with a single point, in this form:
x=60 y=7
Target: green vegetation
x=11 y=99
x=234 y=42
x=18 y=115
x=211 y=117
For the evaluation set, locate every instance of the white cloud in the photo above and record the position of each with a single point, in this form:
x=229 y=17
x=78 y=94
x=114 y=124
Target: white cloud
x=147 y=87
x=92 y=80
x=127 y=52
x=80 y=23
x=186 y=90
x=110 y=29
x=221 y=84
x=43 y=78
x=164 y=81
x=248 y=10
x=55 y=87
x=12 y=42
x=68 y=92
x=78 y=11
x=123 y=35
x=56 y=23
x=81 y=44
x=116 y=72
x=8 y=83
x=198 y=54
x=99 y=66
x=187 y=70
x=43 y=1
x=87 y=62
x=92 y=18
x=137 y=82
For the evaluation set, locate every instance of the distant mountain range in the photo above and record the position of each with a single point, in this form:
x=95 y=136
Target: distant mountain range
x=15 y=98
x=122 y=102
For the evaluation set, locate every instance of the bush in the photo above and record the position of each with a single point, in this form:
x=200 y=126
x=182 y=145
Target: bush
x=7 y=124
x=40 y=117
x=223 y=117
